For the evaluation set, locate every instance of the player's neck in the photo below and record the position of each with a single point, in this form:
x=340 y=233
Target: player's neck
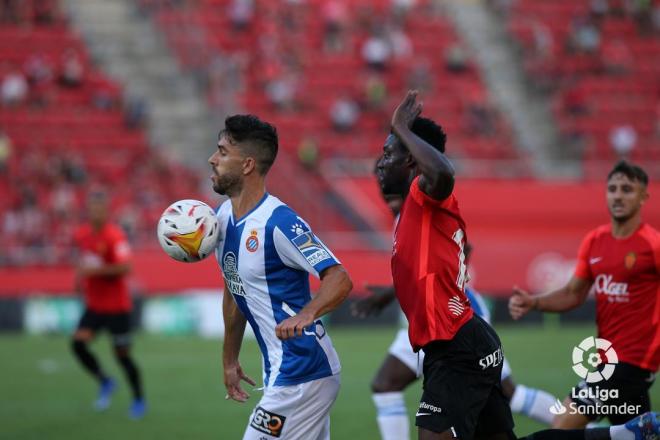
x=247 y=199
x=626 y=228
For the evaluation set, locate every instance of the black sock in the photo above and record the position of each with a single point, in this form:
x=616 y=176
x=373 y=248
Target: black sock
x=88 y=360
x=132 y=374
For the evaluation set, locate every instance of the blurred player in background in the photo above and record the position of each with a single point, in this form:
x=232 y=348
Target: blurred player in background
x=101 y=274
x=620 y=261
x=462 y=393
x=266 y=253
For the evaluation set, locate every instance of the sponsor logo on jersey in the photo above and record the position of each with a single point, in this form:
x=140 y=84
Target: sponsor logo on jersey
x=233 y=280
x=252 y=242
x=493 y=360
x=629 y=260
x=313 y=251
x=594 y=359
x=267 y=422
x=617 y=292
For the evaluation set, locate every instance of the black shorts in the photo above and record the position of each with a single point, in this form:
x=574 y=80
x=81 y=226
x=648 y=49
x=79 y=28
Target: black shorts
x=629 y=386
x=462 y=384
x=118 y=324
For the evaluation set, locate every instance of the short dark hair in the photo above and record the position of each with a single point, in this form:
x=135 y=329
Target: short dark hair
x=631 y=171
x=430 y=132
x=258 y=136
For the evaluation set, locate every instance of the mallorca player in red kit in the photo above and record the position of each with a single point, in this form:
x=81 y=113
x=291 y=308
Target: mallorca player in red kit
x=462 y=394
x=103 y=263
x=620 y=261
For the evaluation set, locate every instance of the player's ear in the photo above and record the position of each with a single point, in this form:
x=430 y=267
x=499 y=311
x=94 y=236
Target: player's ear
x=249 y=165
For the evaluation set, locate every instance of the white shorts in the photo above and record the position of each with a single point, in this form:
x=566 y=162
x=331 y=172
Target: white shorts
x=296 y=412
x=403 y=351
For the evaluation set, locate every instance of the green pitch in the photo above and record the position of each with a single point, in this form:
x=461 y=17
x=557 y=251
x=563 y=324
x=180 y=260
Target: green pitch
x=45 y=395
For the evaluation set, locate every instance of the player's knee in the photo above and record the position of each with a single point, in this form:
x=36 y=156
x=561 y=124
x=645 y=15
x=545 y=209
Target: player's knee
x=122 y=352
x=78 y=346
x=382 y=385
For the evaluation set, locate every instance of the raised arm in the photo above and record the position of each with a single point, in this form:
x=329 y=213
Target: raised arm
x=563 y=299
x=335 y=287
x=234 y=330
x=437 y=173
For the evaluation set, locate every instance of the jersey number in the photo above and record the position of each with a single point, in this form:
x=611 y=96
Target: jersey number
x=459 y=239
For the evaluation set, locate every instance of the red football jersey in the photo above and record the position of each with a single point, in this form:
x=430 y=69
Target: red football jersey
x=428 y=267
x=106 y=246
x=626 y=281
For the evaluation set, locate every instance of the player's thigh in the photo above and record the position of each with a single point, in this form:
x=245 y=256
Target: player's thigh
x=90 y=323
x=495 y=418
x=119 y=325
x=393 y=375
x=298 y=412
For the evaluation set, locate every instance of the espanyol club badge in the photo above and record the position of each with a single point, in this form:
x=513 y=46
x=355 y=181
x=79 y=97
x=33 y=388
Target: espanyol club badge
x=252 y=242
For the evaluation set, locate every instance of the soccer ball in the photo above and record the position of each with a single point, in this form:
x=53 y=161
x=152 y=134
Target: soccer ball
x=188 y=230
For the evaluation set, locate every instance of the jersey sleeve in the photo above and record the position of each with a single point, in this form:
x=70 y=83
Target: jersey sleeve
x=583 y=269
x=119 y=249
x=422 y=198
x=299 y=248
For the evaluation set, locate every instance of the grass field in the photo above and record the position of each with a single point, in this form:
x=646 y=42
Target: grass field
x=45 y=395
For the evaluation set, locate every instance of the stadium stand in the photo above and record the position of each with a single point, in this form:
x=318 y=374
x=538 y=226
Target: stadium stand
x=600 y=62
x=294 y=53
x=63 y=129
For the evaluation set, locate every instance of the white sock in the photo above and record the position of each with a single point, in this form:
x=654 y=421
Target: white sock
x=619 y=432
x=392 y=416
x=533 y=403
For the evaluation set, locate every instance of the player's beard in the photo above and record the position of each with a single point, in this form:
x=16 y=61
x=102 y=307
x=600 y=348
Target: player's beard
x=228 y=184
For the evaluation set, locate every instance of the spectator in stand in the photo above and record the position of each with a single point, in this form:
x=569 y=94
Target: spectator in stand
x=420 y=77
x=344 y=114
x=39 y=74
x=72 y=71
x=135 y=113
x=14 y=88
x=584 y=36
x=376 y=50
x=308 y=153
x=623 y=139
x=241 y=13
x=335 y=20
x=375 y=91
x=401 y=46
x=281 y=91
x=6 y=148
x=574 y=101
x=9 y=11
x=401 y=8
x=599 y=8
x=456 y=60
x=45 y=11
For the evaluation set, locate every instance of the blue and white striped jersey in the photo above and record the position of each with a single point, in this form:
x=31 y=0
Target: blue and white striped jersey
x=266 y=258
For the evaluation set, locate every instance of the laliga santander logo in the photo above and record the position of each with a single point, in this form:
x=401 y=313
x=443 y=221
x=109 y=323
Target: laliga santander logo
x=594 y=359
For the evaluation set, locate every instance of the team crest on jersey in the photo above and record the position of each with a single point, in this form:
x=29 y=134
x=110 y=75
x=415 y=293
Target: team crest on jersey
x=267 y=422
x=629 y=260
x=233 y=281
x=252 y=242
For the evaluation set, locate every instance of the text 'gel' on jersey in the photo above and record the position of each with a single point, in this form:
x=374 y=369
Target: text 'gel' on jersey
x=266 y=258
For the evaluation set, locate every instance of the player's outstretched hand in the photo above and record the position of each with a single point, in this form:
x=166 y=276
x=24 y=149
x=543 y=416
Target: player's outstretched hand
x=380 y=297
x=520 y=303
x=407 y=111
x=294 y=326
x=233 y=377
